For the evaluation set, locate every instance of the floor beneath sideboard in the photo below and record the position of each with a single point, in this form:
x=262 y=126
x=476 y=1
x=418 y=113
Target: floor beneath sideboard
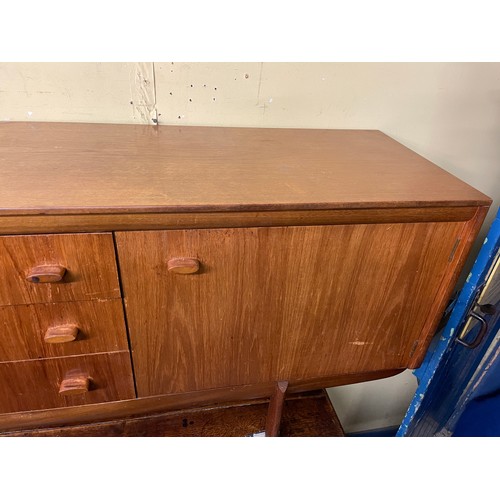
x=307 y=414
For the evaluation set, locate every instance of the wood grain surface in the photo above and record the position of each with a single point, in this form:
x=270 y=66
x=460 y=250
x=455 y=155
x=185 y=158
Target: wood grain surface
x=89 y=260
x=443 y=293
x=101 y=328
x=36 y=224
x=274 y=304
x=326 y=257
x=275 y=409
x=32 y=385
x=157 y=404
x=304 y=415
x=104 y=168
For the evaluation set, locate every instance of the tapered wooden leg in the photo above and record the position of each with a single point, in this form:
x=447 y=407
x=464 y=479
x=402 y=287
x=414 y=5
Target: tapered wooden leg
x=276 y=409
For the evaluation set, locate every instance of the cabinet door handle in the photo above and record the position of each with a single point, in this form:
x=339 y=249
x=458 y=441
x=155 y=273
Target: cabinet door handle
x=74 y=383
x=183 y=265
x=60 y=334
x=46 y=274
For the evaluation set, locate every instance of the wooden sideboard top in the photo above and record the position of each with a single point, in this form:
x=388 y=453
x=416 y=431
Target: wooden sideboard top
x=77 y=168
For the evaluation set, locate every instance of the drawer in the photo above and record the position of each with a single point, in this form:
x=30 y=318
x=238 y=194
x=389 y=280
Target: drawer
x=31 y=268
x=61 y=329
x=35 y=385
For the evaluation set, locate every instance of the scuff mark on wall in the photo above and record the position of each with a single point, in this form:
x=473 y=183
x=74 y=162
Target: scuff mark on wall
x=262 y=105
x=143 y=93
x=260 y=82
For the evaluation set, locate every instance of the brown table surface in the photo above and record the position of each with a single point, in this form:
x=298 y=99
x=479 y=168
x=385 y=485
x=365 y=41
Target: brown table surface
x=55 y=168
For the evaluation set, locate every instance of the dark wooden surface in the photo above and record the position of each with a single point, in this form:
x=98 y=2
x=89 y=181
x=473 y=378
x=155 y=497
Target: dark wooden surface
x=279 y=303
x=89 y=260
x=99 y=168
x=37 y=224
x=445 y=289
x=33 y=385
x=304 y=415
x=101 y=328
x=352 y=292
x=155 y=404
x=275 y=410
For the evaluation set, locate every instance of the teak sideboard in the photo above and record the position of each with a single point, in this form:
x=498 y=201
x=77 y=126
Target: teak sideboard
x=147 y=268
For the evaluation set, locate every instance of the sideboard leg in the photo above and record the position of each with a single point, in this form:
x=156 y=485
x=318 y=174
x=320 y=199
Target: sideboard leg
x=276 y=409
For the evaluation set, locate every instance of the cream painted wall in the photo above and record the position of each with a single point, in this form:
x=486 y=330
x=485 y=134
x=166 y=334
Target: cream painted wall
x=447 y=112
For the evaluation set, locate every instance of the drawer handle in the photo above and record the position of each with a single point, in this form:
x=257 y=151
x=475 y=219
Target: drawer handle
x=46 y=274
x=75 y=382
x=183 y=265
x=60 y=334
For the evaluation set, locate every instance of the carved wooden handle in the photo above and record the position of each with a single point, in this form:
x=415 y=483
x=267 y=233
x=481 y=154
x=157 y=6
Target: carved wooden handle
x=46 y=274
x=60 y=334
x=183 y=265
x=74 y=383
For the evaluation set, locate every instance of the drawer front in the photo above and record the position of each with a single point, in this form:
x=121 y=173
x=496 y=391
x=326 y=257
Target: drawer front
x=226 y=307
x=61 y=329
x=57 y=268
x=36 y=385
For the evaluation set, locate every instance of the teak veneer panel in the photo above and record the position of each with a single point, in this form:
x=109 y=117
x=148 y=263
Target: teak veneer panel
x=89 y=260
x=443 y=293
x=101 y=328
x=103 y=168
x=327 y=257
x=34 y=385
x=279 y=303
x=35 y=224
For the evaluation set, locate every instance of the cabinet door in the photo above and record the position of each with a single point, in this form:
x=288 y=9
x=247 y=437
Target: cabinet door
x=279 y=303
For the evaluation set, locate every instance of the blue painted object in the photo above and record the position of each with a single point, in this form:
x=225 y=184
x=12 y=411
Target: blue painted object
x=449 y=379
x=481 y=412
